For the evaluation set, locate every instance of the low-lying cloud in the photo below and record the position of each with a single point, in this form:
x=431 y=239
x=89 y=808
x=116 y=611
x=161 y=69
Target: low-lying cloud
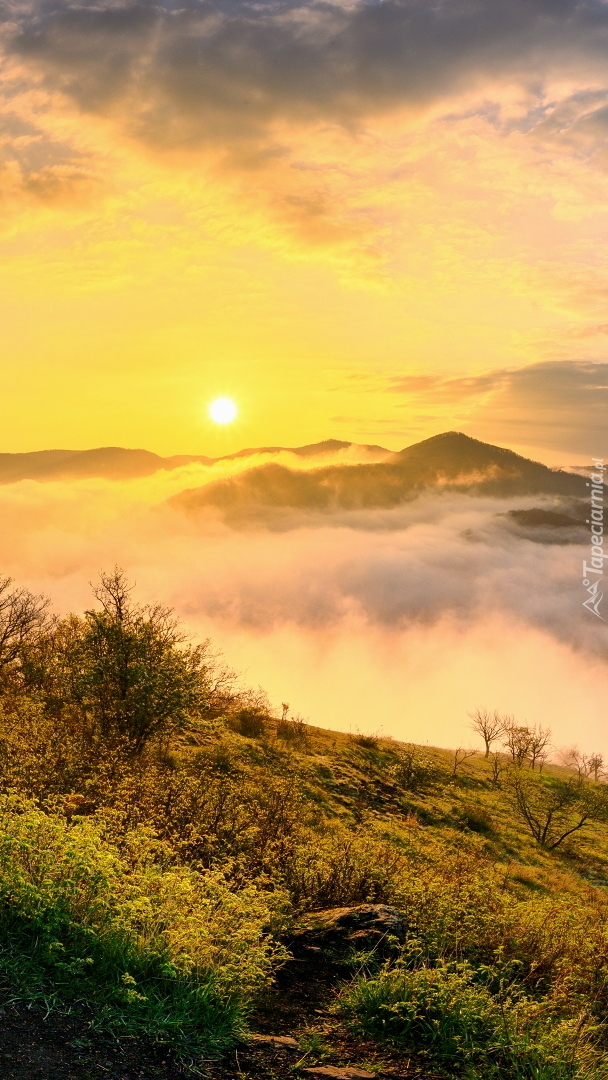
x=334 y=616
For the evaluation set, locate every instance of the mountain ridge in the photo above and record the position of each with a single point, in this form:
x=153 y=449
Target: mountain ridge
x=451 y=461
x=122 y=463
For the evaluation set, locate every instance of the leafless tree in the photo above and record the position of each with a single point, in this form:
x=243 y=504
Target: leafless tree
x=595 y=766
x=541 y=760
x=498 y=765
x=553 y=810
x=517 y=741
x=490 y=725
x=585 y=764
x=537 y=748
x=460 y=756
x=573 y=758
x=22 y=616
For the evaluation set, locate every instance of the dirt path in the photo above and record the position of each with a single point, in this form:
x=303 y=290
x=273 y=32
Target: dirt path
x=54 y=1047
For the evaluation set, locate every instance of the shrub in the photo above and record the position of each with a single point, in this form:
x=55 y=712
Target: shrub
x=341 y=866
x=295 y=730
x=368 y=742
x=446 y=1015
x=414 y=769
x=477 y=818
x=250 y=722
x=154 y=948
x=436 y=1010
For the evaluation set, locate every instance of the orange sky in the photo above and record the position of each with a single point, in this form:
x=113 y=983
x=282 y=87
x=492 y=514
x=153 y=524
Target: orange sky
x=360 y=222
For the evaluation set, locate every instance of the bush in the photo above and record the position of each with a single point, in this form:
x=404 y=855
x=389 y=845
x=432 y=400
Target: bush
x=250 y=722
x=446 y=1015
x=341 y=866
x=295 y=730
x=436 y=1010
x=414 y=769
x=153 y=948
x=476 y=818
x=368 y=742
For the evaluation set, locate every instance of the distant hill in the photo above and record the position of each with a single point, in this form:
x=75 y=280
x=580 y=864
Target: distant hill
x=449 y=461
x=111 y=462
x=119 y=463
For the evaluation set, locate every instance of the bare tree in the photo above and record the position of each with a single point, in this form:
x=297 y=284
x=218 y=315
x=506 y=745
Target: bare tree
x=537 y=748
x=541 y=760
x=22 y=616
x=572 y=757
x=460 y=756
x=595 y=766
x=554 y=809
x=113 y=592
x=518 y=741
x=498 y=767
x=585 y=764
x=490 y=725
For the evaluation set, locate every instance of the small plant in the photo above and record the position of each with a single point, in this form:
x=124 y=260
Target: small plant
x=295 y=730
x=476 y=818
x=251 y=722
x=314 y=1045
x=368 y=742
x=446 y=1014
x=414 y=769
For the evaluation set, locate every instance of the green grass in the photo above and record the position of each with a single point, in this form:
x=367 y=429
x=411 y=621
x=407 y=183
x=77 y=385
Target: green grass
x=457 y=1024
x=152 y=949
x=154 y=895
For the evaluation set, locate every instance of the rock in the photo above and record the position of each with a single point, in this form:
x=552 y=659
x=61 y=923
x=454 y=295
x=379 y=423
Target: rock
x=346 y=1073
x=284 y=1041
x=340 y=930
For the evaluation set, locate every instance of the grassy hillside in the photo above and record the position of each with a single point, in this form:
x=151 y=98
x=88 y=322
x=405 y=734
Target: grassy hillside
x=165 y=839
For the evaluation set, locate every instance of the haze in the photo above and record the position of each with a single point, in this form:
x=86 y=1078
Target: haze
x=399 y=619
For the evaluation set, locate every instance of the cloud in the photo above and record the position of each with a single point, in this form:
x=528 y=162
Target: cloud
x=404 y=621
x=183 y=75
x=559 y=404
x=440 y=555
x=394 y=138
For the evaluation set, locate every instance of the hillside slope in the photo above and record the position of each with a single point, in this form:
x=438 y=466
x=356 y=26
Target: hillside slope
x=183 y=869
x=336 y=821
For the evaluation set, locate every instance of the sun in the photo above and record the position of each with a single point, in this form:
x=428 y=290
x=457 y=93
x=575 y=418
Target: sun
x=223 y=410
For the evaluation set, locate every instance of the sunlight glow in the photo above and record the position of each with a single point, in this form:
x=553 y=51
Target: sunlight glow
x=222 y=410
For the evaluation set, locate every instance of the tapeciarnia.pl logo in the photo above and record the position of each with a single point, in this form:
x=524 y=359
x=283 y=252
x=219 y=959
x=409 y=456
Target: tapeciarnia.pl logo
x=593 y=572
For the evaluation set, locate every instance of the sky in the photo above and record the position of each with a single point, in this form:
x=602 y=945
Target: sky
x=365 y=220
x=371 y=221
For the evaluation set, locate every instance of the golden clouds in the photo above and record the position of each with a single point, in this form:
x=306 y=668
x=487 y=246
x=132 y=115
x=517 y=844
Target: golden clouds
x=263 y=200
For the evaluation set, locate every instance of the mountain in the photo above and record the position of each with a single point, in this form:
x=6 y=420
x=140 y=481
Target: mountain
x=118 y=463
x=451 y=461
x=111 y=462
